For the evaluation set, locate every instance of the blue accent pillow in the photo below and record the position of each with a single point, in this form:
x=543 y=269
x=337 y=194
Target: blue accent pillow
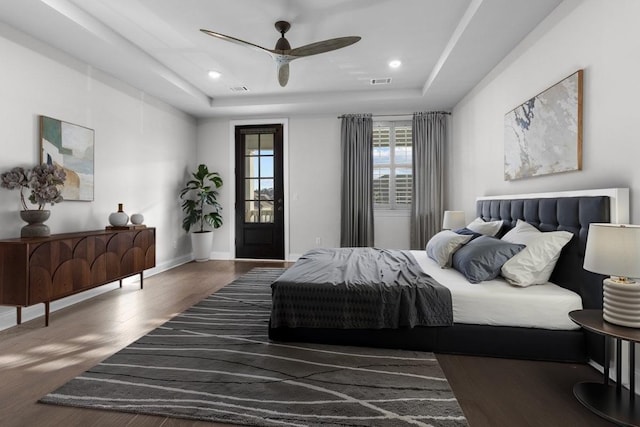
x=482 y=258
x=468 y=232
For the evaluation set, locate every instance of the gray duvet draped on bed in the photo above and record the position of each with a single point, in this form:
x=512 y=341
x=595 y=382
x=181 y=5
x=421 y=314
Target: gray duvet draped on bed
x=358 y=288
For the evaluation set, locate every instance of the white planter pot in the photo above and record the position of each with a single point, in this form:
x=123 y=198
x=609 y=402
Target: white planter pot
x=201 y=244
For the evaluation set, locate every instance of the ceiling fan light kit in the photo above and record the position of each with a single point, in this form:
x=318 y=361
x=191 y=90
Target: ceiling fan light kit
x=284 y=54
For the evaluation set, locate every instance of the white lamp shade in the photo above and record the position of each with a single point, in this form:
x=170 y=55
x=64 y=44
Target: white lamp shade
x=453 y=220
x=613 y=249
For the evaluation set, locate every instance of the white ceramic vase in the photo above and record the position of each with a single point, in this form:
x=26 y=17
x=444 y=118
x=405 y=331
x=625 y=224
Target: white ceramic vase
x=119 y=219
x=137 y=218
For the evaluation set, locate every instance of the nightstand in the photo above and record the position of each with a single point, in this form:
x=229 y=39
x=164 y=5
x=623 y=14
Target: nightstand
x=610 y=401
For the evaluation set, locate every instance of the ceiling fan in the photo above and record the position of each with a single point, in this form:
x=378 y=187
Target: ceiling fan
x=283 y=54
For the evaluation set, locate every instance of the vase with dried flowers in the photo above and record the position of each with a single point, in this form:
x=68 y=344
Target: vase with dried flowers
x=44 y=181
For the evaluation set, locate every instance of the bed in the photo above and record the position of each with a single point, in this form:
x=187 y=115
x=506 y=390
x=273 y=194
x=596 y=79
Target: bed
x=520 y=323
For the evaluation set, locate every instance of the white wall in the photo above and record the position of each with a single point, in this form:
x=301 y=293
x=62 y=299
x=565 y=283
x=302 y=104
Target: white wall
x=143 y=148
x=603 y=38
x=314 y=182
x=213 y=150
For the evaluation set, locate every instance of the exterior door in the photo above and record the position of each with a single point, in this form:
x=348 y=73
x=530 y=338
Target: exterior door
x=259 y=192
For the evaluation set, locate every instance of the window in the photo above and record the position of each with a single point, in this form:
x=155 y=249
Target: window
x=392 y=170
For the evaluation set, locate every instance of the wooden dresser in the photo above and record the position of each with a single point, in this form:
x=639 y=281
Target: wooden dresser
x=44 y=269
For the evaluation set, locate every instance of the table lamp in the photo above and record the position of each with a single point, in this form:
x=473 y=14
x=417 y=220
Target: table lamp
x=453 y=220
x=614 y=249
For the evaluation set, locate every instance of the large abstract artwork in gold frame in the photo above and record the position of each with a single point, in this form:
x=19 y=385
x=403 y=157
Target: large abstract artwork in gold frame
x=544 y=134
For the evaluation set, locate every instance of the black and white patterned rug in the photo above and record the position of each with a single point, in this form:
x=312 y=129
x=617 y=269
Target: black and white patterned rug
x=214 y=362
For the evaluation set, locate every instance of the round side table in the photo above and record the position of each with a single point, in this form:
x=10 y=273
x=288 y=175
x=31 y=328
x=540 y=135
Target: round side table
x=610 y=401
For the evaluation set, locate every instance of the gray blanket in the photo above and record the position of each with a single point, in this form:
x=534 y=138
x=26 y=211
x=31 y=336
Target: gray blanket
x=358 y=288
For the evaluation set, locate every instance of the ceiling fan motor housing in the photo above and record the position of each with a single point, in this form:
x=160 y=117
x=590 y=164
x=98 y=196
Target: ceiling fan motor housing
x=282 y=44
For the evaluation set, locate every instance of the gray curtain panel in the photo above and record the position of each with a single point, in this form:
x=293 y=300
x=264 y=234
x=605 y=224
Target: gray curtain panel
x=357 y=181
x=429 y=136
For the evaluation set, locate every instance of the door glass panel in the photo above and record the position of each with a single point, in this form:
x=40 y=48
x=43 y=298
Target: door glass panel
x=266 y=211
x=266 y=189
x=266 y=166
x=251 y=189
x=251 y=167
x=252 y=144
x=266 y=144
x=259 y=211
x=251 y=211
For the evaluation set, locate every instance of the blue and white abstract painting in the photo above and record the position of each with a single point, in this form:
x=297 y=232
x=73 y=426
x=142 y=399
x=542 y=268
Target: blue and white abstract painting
x=543 y=135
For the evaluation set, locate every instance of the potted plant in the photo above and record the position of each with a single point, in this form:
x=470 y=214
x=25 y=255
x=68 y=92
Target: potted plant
x=200 y=205
x=45 y=183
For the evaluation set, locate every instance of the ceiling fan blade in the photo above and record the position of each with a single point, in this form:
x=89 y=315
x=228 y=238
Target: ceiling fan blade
x=323 y=46
x=238 y=41
x=283 y=73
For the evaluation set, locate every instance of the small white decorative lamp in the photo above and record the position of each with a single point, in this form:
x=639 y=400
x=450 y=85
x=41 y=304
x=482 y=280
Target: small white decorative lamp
x=453 y=220
x=614 y=249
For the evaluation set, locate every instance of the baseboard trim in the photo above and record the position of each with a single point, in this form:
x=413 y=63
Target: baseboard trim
x=293 y=257
x=224 y=256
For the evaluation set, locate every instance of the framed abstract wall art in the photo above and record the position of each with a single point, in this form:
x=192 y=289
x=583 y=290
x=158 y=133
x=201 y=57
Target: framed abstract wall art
x=544 y=134
x=71 y=147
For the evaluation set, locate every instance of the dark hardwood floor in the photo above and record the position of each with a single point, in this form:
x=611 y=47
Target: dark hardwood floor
x=35 y=360
x=507 y=392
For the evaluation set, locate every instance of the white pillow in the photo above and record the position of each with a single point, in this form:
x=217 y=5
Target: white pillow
x=441 y=247
x=489 y=228
x=534 y=264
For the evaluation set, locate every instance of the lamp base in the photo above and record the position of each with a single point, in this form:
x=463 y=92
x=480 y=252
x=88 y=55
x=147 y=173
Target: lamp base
x=621 y=303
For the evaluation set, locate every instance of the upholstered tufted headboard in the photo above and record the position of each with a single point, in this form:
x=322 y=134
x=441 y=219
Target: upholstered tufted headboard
x=572 y=214
x=569 y=211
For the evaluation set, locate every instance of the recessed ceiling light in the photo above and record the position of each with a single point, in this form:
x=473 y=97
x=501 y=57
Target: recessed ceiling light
x=395 y=63
x=214 y=74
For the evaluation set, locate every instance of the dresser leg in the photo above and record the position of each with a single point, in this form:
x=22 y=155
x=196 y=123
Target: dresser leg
x=120 y=282
x=141 y=280
x=18 y=315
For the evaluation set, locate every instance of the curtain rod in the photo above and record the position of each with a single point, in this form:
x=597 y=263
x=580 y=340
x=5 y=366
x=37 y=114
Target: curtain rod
x=396 y=115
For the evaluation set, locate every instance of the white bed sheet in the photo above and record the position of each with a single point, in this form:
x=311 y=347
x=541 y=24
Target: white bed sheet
x=498 y=303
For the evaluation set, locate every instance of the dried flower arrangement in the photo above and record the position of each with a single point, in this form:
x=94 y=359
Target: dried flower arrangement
x=43 y=180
